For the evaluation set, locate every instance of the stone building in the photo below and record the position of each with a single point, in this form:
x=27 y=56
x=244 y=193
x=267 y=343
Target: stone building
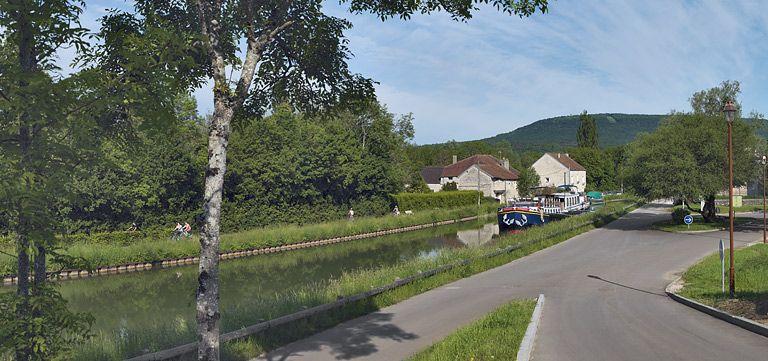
x=493 y=177
x=556 y=169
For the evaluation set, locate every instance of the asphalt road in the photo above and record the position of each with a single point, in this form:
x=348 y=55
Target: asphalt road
x=605 y=301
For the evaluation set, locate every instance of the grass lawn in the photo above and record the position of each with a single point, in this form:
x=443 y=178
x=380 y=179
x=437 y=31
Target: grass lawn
x=702 y=283
x=496 y=336
x=698 y=225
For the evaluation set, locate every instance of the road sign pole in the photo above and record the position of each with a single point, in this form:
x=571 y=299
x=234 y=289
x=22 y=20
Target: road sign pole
x=722 y=265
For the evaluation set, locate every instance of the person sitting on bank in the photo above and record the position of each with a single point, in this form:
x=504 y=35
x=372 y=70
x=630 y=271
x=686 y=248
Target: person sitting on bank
x=187 y=229
x=396 y=211
x=351 y=214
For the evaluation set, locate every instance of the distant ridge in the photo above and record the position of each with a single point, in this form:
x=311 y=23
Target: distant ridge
x=560 y=132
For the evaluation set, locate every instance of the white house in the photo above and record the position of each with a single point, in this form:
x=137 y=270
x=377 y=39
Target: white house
x=555 y=169
x=479 y=172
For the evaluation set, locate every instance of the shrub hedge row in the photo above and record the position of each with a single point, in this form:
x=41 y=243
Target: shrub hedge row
x=445 y=199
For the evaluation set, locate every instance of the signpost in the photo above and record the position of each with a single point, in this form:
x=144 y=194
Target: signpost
x=688 y=220
x=721 y=248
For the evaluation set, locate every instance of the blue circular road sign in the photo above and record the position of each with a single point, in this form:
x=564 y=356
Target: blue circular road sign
x=688 y=219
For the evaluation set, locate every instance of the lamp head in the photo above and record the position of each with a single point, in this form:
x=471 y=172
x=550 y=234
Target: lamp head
x=730 y=111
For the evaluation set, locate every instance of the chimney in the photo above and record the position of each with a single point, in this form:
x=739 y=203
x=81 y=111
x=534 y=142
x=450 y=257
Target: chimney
x=566 y=154
x=558 y=155
x=455 y=159
x=506 y=163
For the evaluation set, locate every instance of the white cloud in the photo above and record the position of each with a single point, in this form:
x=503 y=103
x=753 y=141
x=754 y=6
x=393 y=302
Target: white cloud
x=496 y=73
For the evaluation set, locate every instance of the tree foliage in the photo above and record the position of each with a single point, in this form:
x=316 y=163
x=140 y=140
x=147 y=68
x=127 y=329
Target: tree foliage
x=528 y=179
x=449 y=187
x=687 y=158
x=603 y=166
x=586 y=135
x=294 y=168
x=710 y=102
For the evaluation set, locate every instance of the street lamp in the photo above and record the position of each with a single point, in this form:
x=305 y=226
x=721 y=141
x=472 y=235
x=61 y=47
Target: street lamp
x=730 y=113
x=764 y=162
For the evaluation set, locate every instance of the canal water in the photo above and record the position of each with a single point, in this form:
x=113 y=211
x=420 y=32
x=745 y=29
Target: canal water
x=164 y=299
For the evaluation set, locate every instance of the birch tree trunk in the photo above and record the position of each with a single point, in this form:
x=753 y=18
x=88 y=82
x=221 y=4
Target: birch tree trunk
x=226 y=102
x=208 y=315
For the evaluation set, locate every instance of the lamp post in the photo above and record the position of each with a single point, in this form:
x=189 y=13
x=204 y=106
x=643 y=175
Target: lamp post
x=730 y=113
x=764 y=162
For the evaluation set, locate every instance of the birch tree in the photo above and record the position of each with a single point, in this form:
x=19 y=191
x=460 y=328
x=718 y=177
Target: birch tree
x=257 y=54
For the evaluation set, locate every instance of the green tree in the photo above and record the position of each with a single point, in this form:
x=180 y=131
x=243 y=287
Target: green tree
x=710 y=102
x=450 y=186
x=586 y=135
x=528 y=179
x=52 y=124
x=600 y=166
x=686 y=158
x=294 y=53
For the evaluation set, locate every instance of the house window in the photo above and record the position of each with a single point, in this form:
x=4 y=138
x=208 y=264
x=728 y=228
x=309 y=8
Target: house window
x=547 y=179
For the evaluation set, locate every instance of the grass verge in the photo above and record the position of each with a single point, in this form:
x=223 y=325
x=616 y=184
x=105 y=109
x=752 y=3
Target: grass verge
x=495 y=336
x=100 y=255
x=703 y=283
x=698 y=225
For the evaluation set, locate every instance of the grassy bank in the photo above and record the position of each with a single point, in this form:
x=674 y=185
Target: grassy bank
x=107 y=254
x=702 y=283
x=126 y=342
x=699 y=225
x=496 y=336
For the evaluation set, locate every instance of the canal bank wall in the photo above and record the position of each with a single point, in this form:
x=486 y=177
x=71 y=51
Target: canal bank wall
x=176 y=262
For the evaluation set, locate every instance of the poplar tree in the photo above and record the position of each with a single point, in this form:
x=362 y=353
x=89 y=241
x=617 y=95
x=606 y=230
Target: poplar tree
x=586 y=135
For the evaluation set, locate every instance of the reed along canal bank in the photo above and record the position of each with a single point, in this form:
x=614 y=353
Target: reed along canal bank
x=150 y=310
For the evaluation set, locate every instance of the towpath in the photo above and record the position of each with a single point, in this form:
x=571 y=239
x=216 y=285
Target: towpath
x=605 y=301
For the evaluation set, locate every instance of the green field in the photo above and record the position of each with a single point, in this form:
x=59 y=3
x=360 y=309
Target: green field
x=496 y=336
x=702 y=283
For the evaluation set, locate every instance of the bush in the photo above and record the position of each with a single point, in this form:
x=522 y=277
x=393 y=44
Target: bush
x=419 y=201
x=678 y=213
x=450 y=187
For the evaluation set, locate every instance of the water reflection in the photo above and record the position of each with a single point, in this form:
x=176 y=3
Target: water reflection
x=481 y=235
x=165 y=298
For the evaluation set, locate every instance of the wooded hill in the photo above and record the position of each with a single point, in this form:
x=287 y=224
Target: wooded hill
x=560 y=132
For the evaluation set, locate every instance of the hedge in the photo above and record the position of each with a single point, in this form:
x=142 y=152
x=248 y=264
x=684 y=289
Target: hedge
x=445 y=199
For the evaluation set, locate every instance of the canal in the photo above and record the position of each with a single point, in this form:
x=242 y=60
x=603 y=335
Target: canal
x=154 y=309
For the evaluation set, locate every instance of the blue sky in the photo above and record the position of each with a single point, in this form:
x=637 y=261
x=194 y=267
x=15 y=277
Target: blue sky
x=496 y=73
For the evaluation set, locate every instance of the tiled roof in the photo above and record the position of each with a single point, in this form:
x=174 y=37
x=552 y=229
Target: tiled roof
x=567 y=161
x=431 y=175
x=487 y=163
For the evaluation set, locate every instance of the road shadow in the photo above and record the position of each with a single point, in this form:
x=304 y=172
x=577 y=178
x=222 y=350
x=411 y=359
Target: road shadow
x=625 y=286
x=346 y=341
